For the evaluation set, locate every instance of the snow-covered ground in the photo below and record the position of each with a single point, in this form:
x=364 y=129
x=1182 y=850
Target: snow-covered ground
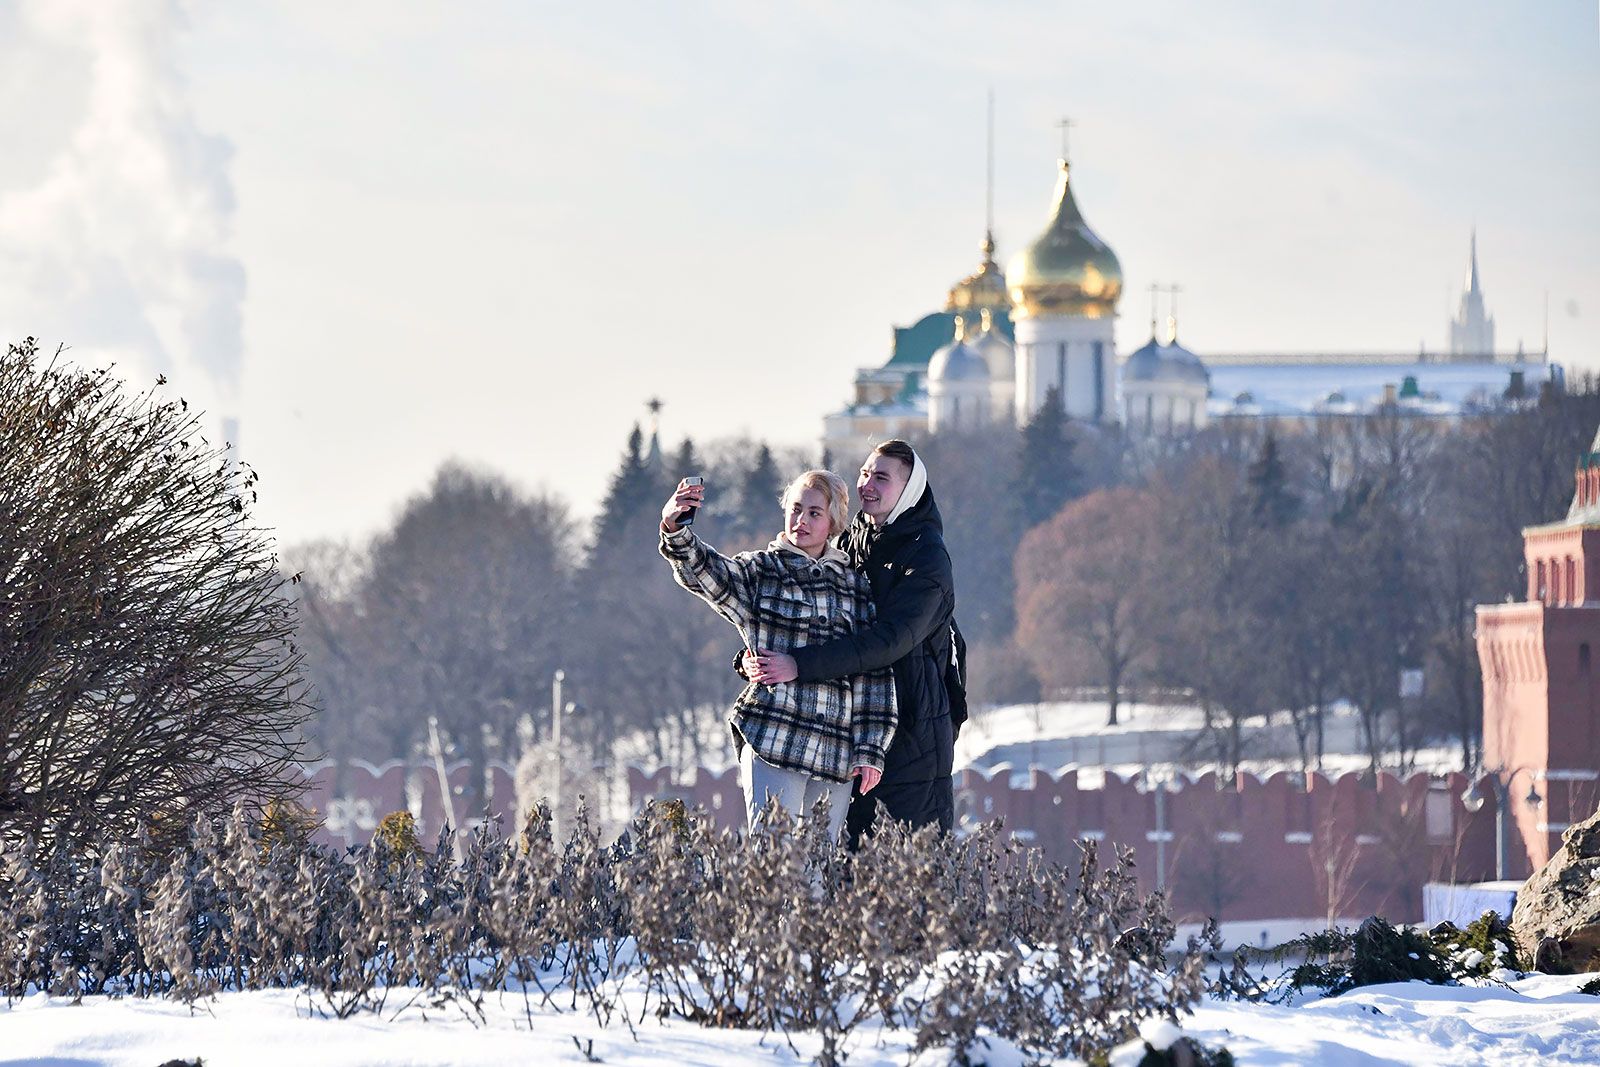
x=1534 y=1020
x=1060 y=735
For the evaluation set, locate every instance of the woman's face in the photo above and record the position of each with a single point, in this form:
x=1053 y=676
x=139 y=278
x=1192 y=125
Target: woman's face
x=806 y=521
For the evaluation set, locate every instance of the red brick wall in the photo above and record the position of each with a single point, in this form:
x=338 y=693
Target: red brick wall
x=1239 y=849
x=1244 y=849
x=351 y=797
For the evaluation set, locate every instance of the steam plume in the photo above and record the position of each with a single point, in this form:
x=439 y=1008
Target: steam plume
x=122 y=248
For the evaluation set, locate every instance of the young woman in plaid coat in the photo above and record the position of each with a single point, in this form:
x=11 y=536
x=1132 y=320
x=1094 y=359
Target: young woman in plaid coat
x=797 y=741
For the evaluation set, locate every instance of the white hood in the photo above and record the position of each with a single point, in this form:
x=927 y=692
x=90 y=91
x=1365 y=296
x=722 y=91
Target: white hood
x=916 y=485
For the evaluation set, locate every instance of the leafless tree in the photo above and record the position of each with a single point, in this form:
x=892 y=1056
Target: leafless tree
x=1335 y=858
x=147 y=670
x=457 y=612
x=1088 y=589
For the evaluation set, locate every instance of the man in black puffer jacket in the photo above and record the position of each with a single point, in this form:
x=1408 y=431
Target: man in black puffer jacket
x=898 y=540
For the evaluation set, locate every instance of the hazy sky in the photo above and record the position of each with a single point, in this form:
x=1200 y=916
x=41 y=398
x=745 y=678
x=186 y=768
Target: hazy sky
x=390 y=233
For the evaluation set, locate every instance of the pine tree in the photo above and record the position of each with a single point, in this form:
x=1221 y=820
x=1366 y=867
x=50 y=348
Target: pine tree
x=1047 y=477
x=758 y=495
x=684 y=462
x=632 y=492
x=1272 y=503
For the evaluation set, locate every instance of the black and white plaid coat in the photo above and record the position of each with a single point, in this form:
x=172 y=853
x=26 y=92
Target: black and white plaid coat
x=781 y=599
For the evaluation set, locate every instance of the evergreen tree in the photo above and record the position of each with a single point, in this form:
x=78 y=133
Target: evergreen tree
x=632 y=492
x=684 y=462
x=1272 y=502
x=758 y=495
x=1047 y=477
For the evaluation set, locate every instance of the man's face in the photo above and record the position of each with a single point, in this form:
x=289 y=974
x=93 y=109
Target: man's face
x=883 y=479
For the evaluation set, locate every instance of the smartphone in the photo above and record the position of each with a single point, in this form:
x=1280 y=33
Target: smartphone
x=686 y=517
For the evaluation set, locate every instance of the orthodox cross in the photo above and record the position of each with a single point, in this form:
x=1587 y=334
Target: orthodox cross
x=1172 y=292
x=1066 y=125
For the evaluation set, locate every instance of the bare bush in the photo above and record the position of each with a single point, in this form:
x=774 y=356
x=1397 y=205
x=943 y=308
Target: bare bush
x=146 y=667
x=957 y=940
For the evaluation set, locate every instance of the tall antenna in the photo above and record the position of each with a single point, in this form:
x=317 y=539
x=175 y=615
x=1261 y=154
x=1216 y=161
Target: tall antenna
x=988 y=215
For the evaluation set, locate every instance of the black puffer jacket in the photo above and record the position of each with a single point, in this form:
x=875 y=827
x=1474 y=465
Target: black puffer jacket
x=914 y=590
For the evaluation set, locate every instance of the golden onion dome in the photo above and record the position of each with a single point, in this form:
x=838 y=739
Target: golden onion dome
x=982 y=290
x=1068 y=270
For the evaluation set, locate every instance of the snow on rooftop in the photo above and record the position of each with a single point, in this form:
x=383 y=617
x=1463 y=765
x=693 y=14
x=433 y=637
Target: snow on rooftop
x=1348 y=388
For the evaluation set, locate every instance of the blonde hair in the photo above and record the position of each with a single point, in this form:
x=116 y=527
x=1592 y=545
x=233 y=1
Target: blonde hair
x=833 y=490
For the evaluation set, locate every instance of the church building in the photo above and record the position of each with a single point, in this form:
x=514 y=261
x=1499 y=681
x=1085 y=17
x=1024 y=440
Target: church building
x=1005 y=341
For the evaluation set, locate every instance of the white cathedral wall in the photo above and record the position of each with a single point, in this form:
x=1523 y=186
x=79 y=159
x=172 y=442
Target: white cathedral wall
x=1048 y=348
x=1002 y=398
x=958 y=405
x=1154 y=407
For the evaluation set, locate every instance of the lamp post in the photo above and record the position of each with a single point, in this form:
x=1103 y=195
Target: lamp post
x=1157 y=783
x=555 y=744
x=446 y=800
x=1473 y=800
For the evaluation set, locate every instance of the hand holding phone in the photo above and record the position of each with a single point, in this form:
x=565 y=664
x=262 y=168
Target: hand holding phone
x=694 y=481
x=680 y=509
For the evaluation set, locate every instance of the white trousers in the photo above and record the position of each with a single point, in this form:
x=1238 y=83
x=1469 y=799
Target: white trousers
x=795 y=790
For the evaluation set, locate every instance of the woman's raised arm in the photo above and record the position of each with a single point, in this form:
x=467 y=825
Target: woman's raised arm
x=727 y=584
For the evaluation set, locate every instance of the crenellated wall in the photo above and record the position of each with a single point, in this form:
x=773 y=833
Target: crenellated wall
x=351 y=797
x=1238 y=849
x=1242 y=848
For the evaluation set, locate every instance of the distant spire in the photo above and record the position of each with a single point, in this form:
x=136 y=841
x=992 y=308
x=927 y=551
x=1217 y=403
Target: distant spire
x=653 y=455
x=1472 y=327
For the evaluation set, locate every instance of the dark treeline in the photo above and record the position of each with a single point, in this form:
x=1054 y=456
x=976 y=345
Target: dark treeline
x=1253 y=570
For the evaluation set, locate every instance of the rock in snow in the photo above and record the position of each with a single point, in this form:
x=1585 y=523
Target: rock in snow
x=1557 y=917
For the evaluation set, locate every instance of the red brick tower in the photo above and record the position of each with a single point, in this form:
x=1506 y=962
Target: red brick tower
x=1541 y=662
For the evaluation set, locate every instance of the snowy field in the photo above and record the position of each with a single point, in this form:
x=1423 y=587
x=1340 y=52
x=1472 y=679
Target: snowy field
x=1534 y=1020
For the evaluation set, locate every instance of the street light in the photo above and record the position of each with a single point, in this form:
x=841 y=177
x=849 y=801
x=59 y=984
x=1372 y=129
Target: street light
x=555 y=744
x=1161 y=835
x=1472 y=799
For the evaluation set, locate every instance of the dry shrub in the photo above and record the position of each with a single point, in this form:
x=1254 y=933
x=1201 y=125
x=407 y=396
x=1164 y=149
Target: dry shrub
x=958 y=940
